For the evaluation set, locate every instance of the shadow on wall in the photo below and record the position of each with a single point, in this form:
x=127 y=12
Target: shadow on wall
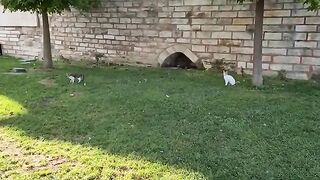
x=179 y=60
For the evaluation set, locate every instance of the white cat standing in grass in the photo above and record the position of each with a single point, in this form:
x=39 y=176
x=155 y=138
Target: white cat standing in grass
x=228 y=79
x=76 y=78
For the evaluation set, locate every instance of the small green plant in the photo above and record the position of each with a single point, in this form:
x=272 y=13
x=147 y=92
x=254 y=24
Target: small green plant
x=218 y=65
x=97 y=57
x=61 y=58
x=282 y=75
x=316 y=76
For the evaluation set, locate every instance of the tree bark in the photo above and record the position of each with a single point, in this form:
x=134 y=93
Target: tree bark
x=47 y=54
x=257 y=79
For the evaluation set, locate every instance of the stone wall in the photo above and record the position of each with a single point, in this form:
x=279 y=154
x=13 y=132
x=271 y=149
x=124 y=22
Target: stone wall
x=139 y=31
x=22 y=42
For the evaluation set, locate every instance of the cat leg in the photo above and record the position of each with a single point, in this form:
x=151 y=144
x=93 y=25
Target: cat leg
x=79 y=80
x=71 y=80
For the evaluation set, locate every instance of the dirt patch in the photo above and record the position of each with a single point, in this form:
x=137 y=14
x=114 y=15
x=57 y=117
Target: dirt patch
x=29 y=161
x=14 y=73
x=76 y=94
x=48 y=82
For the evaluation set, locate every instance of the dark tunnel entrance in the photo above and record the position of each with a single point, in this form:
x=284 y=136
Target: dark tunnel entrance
x=179 y=60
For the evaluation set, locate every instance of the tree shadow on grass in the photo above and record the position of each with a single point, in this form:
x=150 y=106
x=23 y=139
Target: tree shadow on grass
x=221 y=133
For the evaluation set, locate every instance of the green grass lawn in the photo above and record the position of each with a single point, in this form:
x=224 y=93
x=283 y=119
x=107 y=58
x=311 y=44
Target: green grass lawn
x=146 y=123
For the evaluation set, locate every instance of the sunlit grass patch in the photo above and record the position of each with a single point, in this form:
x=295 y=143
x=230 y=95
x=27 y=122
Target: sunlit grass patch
x=9 y=107
x=85 y=162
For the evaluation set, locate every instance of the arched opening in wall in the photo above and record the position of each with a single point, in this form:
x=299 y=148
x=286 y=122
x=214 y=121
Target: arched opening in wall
x=179 y=60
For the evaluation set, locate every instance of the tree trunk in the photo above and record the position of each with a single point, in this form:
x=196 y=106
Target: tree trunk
x=257 y=79
x=47 y=54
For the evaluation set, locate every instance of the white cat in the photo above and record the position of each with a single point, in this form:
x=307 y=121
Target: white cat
x=72 y=79
x=75 y=78
x=228 y=79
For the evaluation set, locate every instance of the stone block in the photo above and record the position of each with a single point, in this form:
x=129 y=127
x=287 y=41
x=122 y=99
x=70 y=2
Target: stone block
x=313 y=20
x=281 y=44
x=272 y=36
x=14 y=39
x=221 y=35
x=80 y=25
x=244 y=57
x=300 y=52
x=125 y=20
x=297 y=75
x=294 y=36
x=179 y=14
x=228 y=57
x=209 y=42
x=304 y=68
x=211 y=28
x=219 y=2
x=183 y=8
x=277 y=13
x=272 y=21
x=274 y=51
x=176 y=3
x=218 y=49
x=242 y=21
x=136 y=32
x=203 y=35
x=241 y=64
x=311 y=60
x=204 y=21
x=303 y=12
x=241 y=35
x=227 y=42
x=127 y=4
x=197 y=2
x=209 y=8
x=108 y=37
x=240 y=28
x=222 y=14
x=266 y=58
x=278 y=28
x=199 y=48
x=224 y=21
x=165 y=34
x=242 y=50
x=316 y=52
x=179 y=21
x=113 y=31
x=305 y=44
x=279 y=67
x=270 y=73
x=314 y=36
x=286 y=59
x=306 y=28
x=136 y=20
x=291 y=20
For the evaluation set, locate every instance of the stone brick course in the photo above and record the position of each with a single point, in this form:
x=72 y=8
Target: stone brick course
x=138 y=31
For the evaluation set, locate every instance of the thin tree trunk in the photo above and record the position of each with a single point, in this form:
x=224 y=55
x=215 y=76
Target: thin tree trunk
x=47 y=54
x=257 y=79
